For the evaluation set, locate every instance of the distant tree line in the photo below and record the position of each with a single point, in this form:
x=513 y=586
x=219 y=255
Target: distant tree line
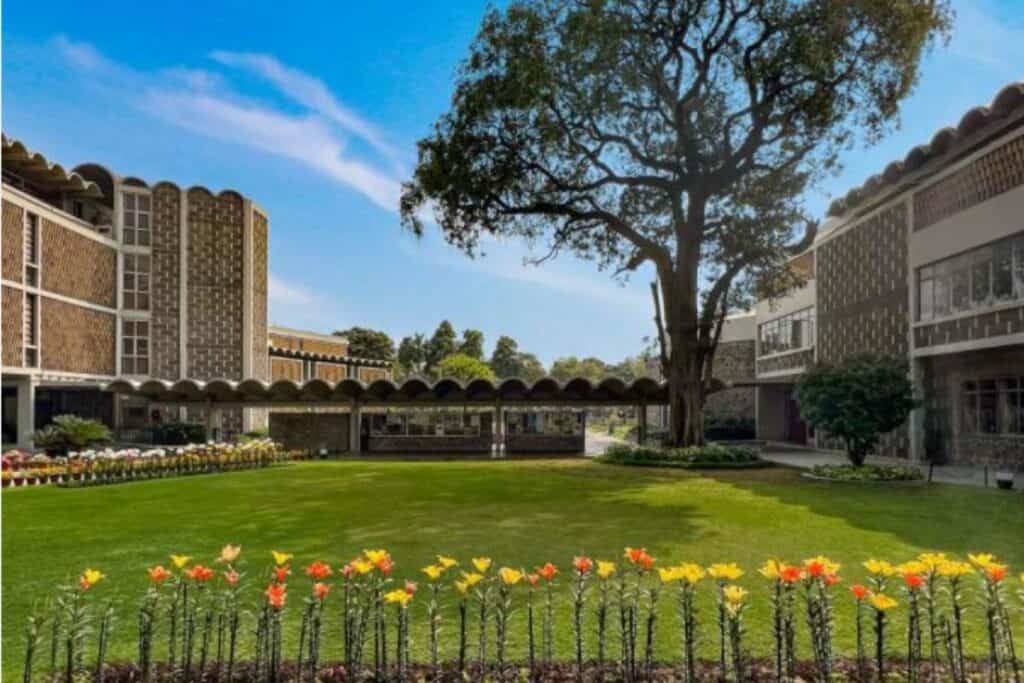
x=446 y=354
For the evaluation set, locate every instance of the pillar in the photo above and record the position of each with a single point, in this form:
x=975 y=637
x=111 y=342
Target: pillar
x=916 y=420
x=499 y=429
x=642 y=423
x=212 y=422
x=355 y=423
x=26 y=412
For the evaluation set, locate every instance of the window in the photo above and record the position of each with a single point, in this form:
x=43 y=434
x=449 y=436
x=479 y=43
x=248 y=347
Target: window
x=788 y=333
x=31 y=331
x=135 y=225
x=994 y=406
x=308 y=368
x=135 y=285
x=982 y=278
x=135 y=347
x=31 y=249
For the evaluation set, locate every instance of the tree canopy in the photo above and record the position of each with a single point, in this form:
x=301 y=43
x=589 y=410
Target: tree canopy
x=465 y=368
x=364 y=342
x=679 y=134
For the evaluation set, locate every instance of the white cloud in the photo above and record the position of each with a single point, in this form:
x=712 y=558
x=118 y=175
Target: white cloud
x=308 y=91
x=284 y=293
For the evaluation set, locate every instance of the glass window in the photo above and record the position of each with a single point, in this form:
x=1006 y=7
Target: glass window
x=135 y=347
x=135 y=282
x=136 y=219
x=788 y=333
x=982 y=278
x=994 y=406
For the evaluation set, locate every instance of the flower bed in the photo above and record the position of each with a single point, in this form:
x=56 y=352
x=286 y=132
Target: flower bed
x=192 y=616
x=109 y=466
x=867 y=473
x=715 y=456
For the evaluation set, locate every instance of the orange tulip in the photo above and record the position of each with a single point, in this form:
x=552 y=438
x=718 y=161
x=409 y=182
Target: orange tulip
x=533 y=579
x=158 y=574
x=831 y=579
x=815 y=568
x=200 y=574
x=232 y=577
x=411 y=587
x=276 y=594
x=995 y=572
x=548 y=571
x=646 y=562
x=582 y=564
x=281 y=573
x=320 y=590
x=860 y=592
x=385 y=565
x=913 y=581
x=790 y=574
x=318 y=571
x=635 y=554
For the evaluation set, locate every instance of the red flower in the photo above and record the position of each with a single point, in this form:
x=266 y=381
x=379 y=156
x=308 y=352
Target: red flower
x=411 y=587
x=996 y=572
x=158 y=574
x=860 y=592
x=635 y=554
x=646 y=562
x=281 y=573
x=83 y=583
x=320 y=590
x=913 y=581
x=276 y=594
x=533 y=579
x=385 y=565
x=200 y=573
x=318 y=571
x=548 y=571
x=831 y=579
x=232 y=577
x=790 y=574
x=815 y=568
x=348 y=570
x=582 y=564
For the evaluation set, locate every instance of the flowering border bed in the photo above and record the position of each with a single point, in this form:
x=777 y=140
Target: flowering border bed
x=109 y=466
x=194 y=615
x=713 y=456
x=867 y=474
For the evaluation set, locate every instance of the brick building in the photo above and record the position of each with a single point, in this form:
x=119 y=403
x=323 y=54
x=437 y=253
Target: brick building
x=106 y=276
x=924 y=261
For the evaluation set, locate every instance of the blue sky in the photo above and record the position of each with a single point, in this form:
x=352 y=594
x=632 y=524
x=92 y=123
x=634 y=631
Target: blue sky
x=314 y=112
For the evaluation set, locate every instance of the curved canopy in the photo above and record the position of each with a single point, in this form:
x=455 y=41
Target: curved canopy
x=445 y=391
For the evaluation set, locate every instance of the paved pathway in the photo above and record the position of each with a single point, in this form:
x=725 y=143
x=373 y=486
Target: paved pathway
x=946 y=474
x=597 y=442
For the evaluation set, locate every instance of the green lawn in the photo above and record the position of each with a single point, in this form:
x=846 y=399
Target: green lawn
x=521 y=513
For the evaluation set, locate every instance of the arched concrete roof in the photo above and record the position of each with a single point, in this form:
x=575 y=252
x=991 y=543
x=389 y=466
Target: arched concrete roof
x=416 y=391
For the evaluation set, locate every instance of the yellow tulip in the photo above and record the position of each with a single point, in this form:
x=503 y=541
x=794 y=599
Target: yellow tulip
x=179 y=561
x=509 y=576
x=912 y=567
x=952 y=569
x=362 y=566
x=446 y=562
x=725 y=572
x=824 y=563
x=669 y=574
x=982 y=560
x=734 y=594
x=462 y=587
x=482 y=564
x=433 y=572
x=471 y=578
x=398 y=597
x=92 y=576
x=375 y=556
x=879 y=568
x=691 y=573
x=932 y=560
x=281 y=558
x=882 y=602
x=605 y=569
x=771 y=569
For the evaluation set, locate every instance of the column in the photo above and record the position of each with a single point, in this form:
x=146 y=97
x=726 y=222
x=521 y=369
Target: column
x=916 y=420
x=499 y=429
x=642 y=423
x=355 y=443
x=26 y=412
x=212 y=422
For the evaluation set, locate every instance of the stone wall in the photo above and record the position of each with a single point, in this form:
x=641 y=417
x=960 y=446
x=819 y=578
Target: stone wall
x=165 y=297
x=862 y=298
x=260 y=258
x=13 y=241
x=311 y=431
x=12 y=328
x=285 y=368
x=77 y=266
x=1000 y=170
x=76 y=339
x=367 y=375
x=734 y=362
x=331 y=372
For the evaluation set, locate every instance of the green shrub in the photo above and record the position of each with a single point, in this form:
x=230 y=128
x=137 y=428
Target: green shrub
x=71 y=433
x=176 y=434
x=867 y=472
x=710 y=456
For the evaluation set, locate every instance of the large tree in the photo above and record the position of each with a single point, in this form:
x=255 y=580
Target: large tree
x=364 y=342
x=412 y=356
x=442 y=344
x=472 y=344
x=508 y=361
x=464 y=368
x=676 y=133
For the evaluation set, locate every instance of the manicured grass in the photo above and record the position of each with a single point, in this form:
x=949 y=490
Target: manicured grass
x=520 y=513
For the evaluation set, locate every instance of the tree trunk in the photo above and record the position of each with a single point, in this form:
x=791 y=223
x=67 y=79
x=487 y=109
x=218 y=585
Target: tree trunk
x=685 y=358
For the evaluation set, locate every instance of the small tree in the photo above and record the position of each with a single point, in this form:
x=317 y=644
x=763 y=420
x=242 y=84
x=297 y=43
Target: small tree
x=857 y=401
x=364 y=342
x=465 y=368
x=70 y=432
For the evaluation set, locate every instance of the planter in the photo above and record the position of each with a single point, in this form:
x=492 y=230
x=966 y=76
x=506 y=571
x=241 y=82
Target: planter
x=869 y=482
x=1004 y=480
